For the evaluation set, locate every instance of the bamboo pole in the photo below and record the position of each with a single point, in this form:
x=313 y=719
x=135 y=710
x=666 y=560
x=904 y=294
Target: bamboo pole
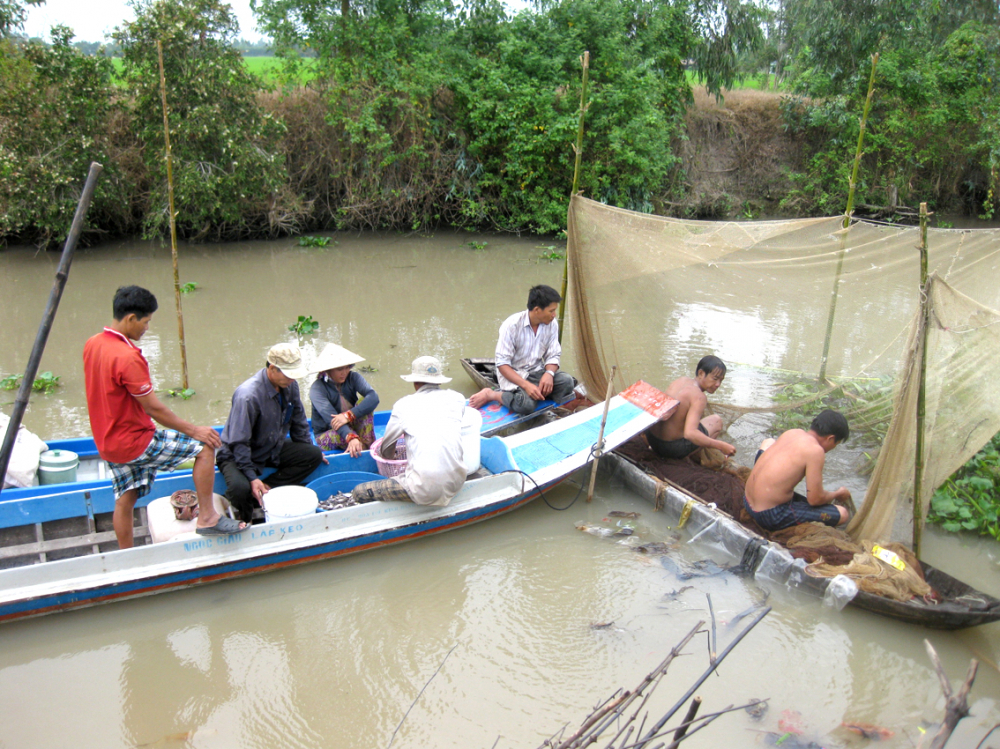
x=578 y=149
x=599 y=447
x=173 y=218
x=848 y=212
x=62 y=275
x=918 y=463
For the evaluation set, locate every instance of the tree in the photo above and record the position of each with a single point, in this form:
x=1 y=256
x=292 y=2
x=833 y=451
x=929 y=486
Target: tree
x=229 y=178
x=55 y=110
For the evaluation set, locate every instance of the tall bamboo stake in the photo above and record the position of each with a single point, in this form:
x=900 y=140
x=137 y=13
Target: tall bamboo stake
x=848 y=212
x=925 y=311
x=578 y=148
x=173 y=218
x=599 y=447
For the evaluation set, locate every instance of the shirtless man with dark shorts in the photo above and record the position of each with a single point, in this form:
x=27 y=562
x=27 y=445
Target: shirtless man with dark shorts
x=685 y=431
x=781 y=464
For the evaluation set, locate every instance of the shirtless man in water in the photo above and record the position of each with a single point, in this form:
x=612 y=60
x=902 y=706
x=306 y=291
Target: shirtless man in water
x=685 y=431
x=770 y=496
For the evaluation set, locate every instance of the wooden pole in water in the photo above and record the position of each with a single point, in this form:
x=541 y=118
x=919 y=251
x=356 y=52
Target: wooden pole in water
x=578 y=148
x=173 y=218
x=599 y=447
x=918 y=463
x=848 y=212
x=62 y=275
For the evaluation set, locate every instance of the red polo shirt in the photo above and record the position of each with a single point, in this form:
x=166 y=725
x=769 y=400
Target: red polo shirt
x=115 y=372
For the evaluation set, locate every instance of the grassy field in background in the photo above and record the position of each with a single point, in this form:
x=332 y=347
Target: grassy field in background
x=266 y=68
x=269 y=70
x=757 y=82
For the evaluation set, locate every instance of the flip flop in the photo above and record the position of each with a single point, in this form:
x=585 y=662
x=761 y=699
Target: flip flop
x=225 y=527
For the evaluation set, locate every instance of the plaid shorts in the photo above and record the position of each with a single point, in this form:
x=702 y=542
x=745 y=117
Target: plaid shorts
x=387 y=490
x=167 y=450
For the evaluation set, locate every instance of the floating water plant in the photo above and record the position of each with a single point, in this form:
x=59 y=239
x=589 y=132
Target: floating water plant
x=314 y=241
x=304 y=326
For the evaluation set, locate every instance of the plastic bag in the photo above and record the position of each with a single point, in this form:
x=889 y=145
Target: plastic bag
x=840 y=592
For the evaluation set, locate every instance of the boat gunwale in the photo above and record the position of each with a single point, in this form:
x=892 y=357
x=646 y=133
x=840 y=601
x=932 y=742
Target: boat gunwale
x=946 y=615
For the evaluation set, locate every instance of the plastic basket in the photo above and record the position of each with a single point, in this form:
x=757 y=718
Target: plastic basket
x=390 y=468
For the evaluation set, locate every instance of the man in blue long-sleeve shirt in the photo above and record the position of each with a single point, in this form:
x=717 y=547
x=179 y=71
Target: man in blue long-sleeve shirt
x=266 y=410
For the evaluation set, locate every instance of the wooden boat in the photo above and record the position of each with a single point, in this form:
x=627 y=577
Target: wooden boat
x=961 y=606
x=92 y=472
x=77 y=570
x=483 y=372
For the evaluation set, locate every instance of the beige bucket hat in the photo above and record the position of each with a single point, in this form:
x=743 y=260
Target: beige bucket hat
x=288 y=358
x=426 y=369
x=334 y=356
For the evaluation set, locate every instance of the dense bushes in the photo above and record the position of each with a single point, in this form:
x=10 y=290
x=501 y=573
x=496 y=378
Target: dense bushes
x=932 y=134
x=419 y=114
x=55 y=118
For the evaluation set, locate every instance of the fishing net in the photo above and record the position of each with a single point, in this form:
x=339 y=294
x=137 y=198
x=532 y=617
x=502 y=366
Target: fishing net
x=807 y=315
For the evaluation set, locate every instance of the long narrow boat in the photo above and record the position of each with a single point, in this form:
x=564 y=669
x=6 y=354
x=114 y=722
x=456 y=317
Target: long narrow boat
x=961 y=605
x=92 y=472
x=483 y=372
x=514 y=471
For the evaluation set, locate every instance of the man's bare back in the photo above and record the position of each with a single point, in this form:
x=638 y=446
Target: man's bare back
x=797 y=453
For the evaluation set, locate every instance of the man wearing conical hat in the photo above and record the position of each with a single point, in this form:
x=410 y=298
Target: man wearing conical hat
x=267 y=428
x=430 y=421
x=342 y=403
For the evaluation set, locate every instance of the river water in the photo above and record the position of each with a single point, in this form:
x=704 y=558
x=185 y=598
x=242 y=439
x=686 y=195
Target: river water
x=482 y=637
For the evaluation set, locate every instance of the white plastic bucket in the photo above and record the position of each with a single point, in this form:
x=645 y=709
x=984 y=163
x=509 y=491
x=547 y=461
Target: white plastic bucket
x=57 y=467
x=472 y=425
x=286 y=502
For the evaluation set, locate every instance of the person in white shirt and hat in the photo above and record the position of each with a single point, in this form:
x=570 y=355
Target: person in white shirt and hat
x=430 y=420
x=267 y=428
x=342 y=403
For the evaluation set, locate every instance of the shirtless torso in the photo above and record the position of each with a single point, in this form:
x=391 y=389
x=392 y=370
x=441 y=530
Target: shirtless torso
x=684 y=420
x=796 y=454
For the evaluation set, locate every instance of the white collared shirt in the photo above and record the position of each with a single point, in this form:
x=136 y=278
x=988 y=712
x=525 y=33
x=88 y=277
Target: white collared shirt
x=524 y=349
x=431 y=420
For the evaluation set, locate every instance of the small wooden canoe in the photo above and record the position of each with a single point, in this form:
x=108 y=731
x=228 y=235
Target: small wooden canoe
x=961 y=605
x=483 y=372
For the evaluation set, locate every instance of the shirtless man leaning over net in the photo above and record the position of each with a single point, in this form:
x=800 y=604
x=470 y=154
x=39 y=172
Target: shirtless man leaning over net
x=780 y=465
x=685 y=431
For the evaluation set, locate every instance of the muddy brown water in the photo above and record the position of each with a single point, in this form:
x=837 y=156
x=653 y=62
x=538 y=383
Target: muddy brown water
x=493 y=622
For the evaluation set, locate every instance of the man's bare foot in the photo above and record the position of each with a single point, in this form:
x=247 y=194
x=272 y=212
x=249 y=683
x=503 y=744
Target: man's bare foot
x=485 y=396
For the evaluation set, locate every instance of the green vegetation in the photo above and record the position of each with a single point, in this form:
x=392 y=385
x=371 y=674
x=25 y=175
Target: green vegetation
x=182 y=393
x=314 y=241
x=551 y=253
x=400 y=115
x=227 y=177
x=45 y=382
x=304 y=326
x=189 y=287
x=970 y=499
x=867 y=403
x=478 y=245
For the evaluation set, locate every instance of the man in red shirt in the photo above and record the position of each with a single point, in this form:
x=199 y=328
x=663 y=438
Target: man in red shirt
x=122 y=406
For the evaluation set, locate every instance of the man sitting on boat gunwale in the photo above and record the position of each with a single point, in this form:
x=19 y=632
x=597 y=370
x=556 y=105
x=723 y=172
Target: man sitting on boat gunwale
x=430 y=420
x=527 y=357
x=685 y=432
x=781 y=464
x=266 y=409
x=122 y=405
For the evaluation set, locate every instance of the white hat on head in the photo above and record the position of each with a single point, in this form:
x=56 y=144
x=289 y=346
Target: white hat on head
x=334 y=356
x=426 y=369
x=287 y=358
